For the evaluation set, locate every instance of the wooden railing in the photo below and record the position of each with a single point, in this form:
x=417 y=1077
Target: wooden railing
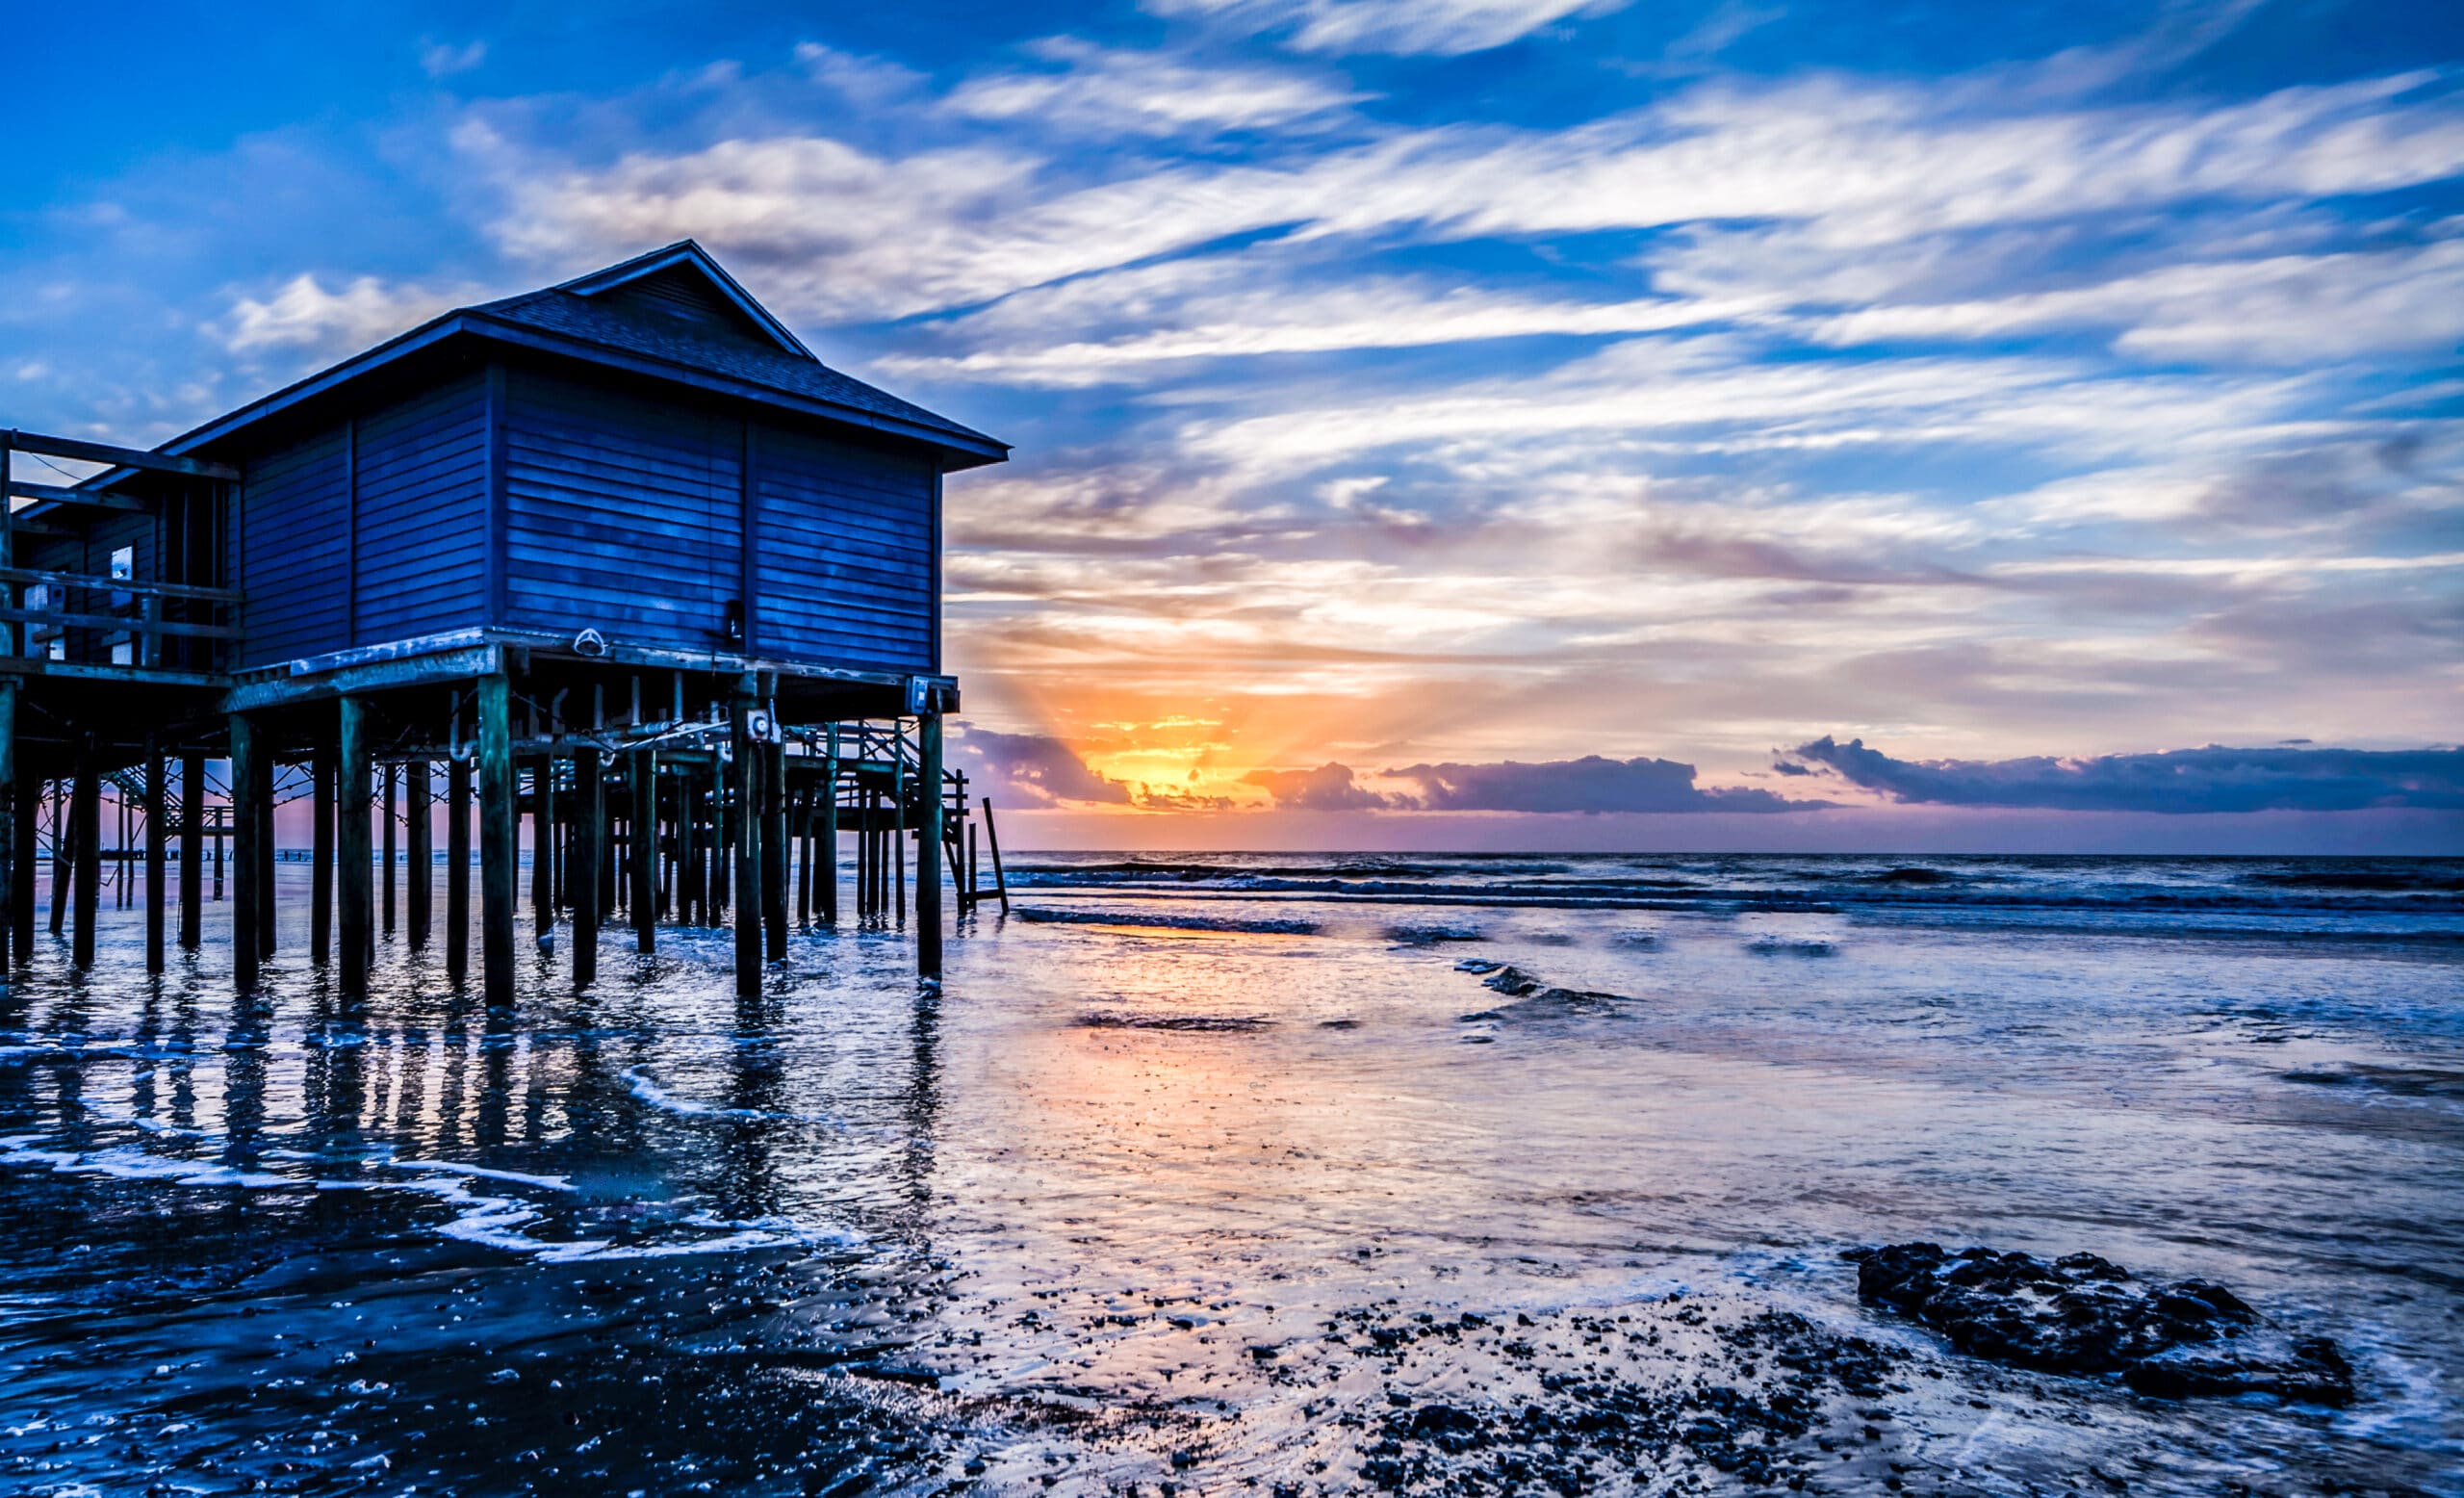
x=191 y=620
x=143 y=611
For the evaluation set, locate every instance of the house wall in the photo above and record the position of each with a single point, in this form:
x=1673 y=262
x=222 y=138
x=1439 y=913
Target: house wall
x=845 y=552
x=419 y=564
x=622 y=513
x=291 y=549
x=625 y=512
x=619 y=508
x=368 y=530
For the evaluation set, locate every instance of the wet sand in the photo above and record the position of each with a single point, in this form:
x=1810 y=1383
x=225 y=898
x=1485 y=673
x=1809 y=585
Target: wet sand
x=1258 y=1195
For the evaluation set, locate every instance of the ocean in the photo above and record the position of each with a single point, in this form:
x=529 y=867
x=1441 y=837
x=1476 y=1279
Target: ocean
x=1257 y=1173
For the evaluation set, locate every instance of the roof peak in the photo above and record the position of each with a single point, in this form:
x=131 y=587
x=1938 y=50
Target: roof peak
x=689 y=257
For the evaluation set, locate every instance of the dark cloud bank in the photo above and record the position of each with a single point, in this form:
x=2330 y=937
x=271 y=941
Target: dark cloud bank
x=1591 y=783
x=2286 y=776
x=1035 y=768
x=2179 y=781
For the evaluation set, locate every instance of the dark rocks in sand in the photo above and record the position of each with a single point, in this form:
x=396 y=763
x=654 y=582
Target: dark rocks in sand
x=1792 y=946
x=1560 y=1401
x=1516 y=984
x=1431 y=936
x=2088 y=1316
x=1513 y=982
x=2402 y=1081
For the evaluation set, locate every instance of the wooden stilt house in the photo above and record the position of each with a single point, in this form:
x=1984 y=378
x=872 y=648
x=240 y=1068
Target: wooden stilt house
x=622 y=551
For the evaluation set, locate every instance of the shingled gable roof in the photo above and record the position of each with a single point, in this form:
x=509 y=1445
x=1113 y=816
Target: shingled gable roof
x=673 y=313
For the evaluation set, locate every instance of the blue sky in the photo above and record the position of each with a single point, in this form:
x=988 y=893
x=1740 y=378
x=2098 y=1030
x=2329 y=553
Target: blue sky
x=1421 y=406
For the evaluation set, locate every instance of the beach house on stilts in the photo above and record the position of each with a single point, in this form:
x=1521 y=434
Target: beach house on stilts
x=620 y=557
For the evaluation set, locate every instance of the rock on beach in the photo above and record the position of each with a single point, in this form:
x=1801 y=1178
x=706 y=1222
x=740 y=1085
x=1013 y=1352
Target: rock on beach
x=2088 y=1316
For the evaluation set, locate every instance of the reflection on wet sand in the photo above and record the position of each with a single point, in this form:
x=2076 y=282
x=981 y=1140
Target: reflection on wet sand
x=845 y=1236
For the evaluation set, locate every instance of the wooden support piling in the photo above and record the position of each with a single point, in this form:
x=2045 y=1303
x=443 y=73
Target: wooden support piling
x=691 y=902
x=722 y=843
x=665 y=842
x=352 y=853
x=247 y=848
x=747 y=783
x=641 y=838
x=60 y=864
x=28 y=806
x=590 y=831
x=266 y=859
x=418 y=802
x=392 y=843
x=457 y=869
x=928 y=846
x=320 y=854
x=898 y=814
x=607 y=815
x=803 y=859
x=829 y=831
x=87 y=820
x=992 y=840
x=497 y=850
x=543 y=848
x=10 y=948
x=773 y=849
x=192 y=848
x=157 y=805
x=863 y=854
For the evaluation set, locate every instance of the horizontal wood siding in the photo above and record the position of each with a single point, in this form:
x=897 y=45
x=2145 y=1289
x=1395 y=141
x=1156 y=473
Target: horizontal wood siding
x=291 y=542
x=621 y=514
x=421 y=551
x=844 y=557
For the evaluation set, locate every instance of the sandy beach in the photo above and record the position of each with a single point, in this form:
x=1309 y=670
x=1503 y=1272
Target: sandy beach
x=1273 y=1175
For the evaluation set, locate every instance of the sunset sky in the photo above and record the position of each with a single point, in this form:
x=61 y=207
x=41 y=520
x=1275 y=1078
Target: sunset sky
x=1454 y=423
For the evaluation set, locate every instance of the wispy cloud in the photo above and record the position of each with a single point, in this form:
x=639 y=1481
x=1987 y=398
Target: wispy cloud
x=1241 y=308
x=2282 y=309
x=443 y=59
x=1109 y=91
x=948 y=227
x=302 y=315
x=1442 y=27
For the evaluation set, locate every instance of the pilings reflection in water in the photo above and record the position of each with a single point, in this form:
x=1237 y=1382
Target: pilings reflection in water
x=309 y=1224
